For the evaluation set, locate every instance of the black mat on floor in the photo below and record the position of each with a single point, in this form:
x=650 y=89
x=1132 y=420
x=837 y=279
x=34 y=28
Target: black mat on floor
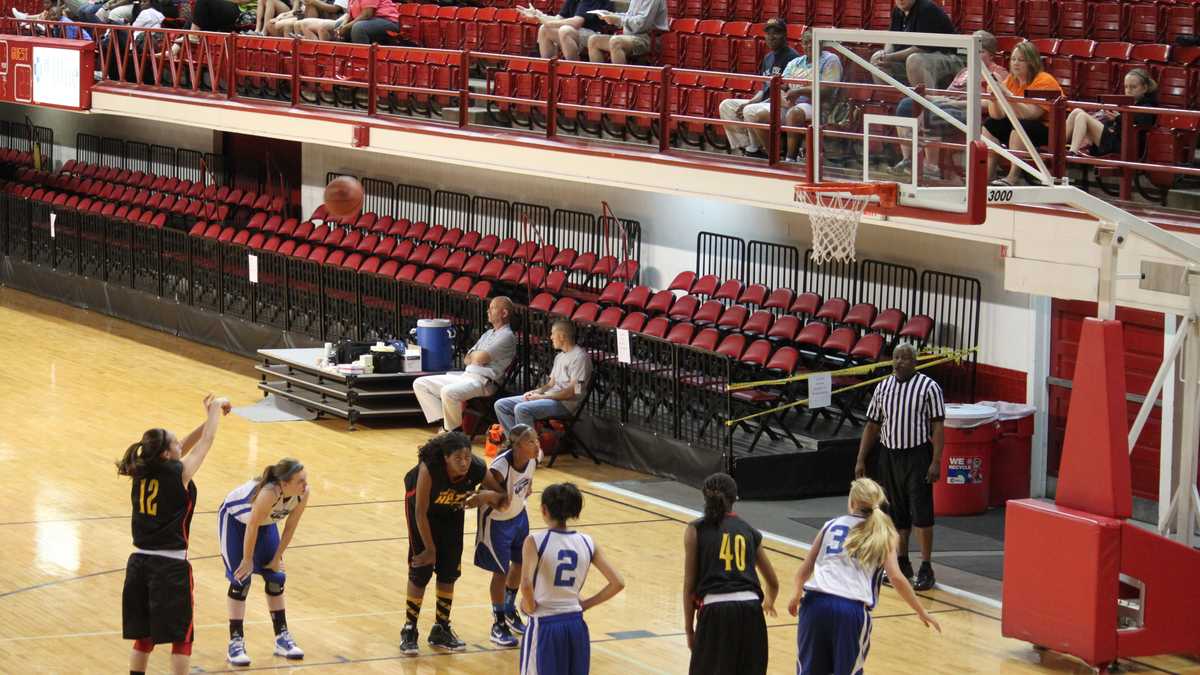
x=974 y=533
x=990 y=566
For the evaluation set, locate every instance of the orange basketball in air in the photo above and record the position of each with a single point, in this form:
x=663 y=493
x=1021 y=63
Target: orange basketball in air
x=343 y=197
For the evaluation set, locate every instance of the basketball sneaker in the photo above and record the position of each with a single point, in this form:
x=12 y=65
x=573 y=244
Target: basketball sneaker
x=925 y=580
x=237 y=652
x=905 y=569
x=408 y=640
x=286 y=646
x=442 y=636
x=515 y=624
x=502 y=636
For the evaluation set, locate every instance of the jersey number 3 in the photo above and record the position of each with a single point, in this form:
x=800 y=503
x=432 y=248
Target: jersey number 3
x=733 y=555
x=568 y=560
x=837 y=535
x=148 y=496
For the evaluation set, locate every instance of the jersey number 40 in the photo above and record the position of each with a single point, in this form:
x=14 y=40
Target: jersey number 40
x=734 y=555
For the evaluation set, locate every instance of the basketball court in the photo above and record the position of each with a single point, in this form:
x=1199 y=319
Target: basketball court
x=66 y=527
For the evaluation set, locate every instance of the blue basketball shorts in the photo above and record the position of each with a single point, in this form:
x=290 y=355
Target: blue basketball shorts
x=556 y=645
x=232 y=535
x=834 y=635
x=498 y=542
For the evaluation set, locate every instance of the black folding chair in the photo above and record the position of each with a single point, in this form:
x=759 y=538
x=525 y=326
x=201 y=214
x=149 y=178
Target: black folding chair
x=568 y=434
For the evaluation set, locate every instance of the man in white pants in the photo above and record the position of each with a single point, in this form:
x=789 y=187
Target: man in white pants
x=442 y=397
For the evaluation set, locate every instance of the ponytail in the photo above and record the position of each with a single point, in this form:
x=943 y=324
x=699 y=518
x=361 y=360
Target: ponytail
x=515 y=434
x=277 y=473
x=720 y=492
x=145 y=455
x=870 y=541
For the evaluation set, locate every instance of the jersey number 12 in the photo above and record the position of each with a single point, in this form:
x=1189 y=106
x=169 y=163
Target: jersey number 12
x=148 y=496
x=733 y=555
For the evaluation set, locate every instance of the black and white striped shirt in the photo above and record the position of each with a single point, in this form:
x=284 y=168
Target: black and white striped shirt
x=904 y=410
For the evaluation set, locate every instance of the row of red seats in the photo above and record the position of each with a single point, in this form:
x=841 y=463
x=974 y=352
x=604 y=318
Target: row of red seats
x=83 y=178
x=1139 y=22
x=84 y=204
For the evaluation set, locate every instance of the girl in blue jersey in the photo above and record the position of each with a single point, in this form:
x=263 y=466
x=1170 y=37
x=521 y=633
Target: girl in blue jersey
x=556 y=640
x=251 y=544
x=838 y=585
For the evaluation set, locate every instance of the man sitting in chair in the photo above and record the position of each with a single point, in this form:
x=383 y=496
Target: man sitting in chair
x=442 y=397
x=562 y=394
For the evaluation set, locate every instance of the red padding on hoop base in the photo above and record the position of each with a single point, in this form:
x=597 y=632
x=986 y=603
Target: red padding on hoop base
x=1060 y=579
x=1169 y=571
x=1094 y=473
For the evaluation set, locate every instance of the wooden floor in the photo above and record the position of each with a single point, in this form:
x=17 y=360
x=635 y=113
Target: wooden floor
x=77 y=388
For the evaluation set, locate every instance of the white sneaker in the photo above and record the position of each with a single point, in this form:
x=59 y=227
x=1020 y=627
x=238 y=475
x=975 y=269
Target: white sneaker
x=286 y=646
x=19 y=14
x=237 y=652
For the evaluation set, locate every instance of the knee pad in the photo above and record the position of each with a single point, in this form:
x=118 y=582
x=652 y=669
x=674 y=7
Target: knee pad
x=143 y=645
x=181 y=648
x=275 y=582
x=239 y=592
x=448 y=577
x=420 y=576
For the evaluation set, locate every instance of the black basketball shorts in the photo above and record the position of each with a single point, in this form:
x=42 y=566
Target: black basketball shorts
x=731 y=639
x=909 y=494
x=447 y=540
x=156 y=603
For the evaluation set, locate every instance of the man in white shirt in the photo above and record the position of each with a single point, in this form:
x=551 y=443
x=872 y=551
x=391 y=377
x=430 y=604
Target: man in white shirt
x=442 y=396
x=562 y=394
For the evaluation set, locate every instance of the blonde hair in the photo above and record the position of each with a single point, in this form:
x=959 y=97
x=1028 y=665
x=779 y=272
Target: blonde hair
x=1029 y=54
x=870 y=540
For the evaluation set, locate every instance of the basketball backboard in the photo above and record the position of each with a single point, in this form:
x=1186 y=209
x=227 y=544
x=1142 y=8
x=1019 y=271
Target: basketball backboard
x=872 y=126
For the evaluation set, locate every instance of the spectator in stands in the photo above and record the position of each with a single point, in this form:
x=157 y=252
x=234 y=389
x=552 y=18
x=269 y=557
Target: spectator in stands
x=569 y=30
x=218 y=16
x=442 y=397
x=1026 y=75
x=798 y=98
x=55 y=13
x=637 y=24
x=956 y=106
x=930 y=66
x=562 y=394
x=1101 y=130
x=312 y=20
x=265 y=12
x=371 y=21
x=758 y=109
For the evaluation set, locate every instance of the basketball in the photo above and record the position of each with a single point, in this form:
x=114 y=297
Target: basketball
x=343 y=197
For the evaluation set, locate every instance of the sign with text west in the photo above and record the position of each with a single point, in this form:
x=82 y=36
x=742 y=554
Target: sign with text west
x=47 y=71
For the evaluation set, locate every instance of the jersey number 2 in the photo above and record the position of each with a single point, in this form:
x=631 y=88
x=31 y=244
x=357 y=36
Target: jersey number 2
x=733 y=555
x=568 y=560
x=148 y=496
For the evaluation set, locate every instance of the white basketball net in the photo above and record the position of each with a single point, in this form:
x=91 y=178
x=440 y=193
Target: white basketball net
x=834 y=217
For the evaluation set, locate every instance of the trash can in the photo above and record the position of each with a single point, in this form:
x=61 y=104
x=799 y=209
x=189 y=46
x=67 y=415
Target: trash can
x=966 y=460
x=435 y=336
x=1012 y=456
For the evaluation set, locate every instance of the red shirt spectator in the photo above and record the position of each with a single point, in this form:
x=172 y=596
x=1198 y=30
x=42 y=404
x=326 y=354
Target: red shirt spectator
x=384 y=9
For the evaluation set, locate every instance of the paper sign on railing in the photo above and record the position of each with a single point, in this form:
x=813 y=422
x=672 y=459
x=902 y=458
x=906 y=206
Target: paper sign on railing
x=53 y=217
x=820 y=390
x=252 y=266
x=624 y=352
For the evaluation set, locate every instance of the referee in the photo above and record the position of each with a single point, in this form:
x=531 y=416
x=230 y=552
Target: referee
x=906 y=414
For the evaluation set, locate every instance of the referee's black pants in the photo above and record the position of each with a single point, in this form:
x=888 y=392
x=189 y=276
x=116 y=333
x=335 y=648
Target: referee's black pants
x=903 y=473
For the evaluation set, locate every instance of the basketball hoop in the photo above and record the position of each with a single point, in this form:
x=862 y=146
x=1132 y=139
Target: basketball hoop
x=835 y=209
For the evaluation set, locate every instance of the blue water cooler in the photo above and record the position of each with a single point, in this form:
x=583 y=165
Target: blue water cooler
x=436 y=339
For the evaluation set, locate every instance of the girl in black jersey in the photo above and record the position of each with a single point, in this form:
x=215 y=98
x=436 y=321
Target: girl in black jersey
x=722 y=552
x=436 y=490
x=156 y=603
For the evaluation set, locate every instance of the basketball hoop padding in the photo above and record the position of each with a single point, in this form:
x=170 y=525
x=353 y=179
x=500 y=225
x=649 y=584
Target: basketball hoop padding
x=835 y=210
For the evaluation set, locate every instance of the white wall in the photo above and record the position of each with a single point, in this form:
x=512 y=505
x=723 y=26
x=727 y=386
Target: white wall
x=670 y=225
x=67 y=124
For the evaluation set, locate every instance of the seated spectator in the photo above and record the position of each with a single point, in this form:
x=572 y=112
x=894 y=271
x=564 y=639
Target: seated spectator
x=562 y=394
x=371 y=21
x=265 y=12
x=310 y=19
x=149 y=16
x=217 y=16
x=40 y=16
x=55 y=13
x=1026 y=74
x=758 y=109
x=442 y=396
x=637 y=24
x=570 y=30
x=798 y=98
x=956 y=106
x=930 y=66
x=1100 y=131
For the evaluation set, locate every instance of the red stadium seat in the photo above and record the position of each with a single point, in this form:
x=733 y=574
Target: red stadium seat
x=681 y=333
x=833 y=310
x=588 y=311
x=785 y=329
x=759 y=323
x=683 y=282
x=564 y=307
x=806 y=304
